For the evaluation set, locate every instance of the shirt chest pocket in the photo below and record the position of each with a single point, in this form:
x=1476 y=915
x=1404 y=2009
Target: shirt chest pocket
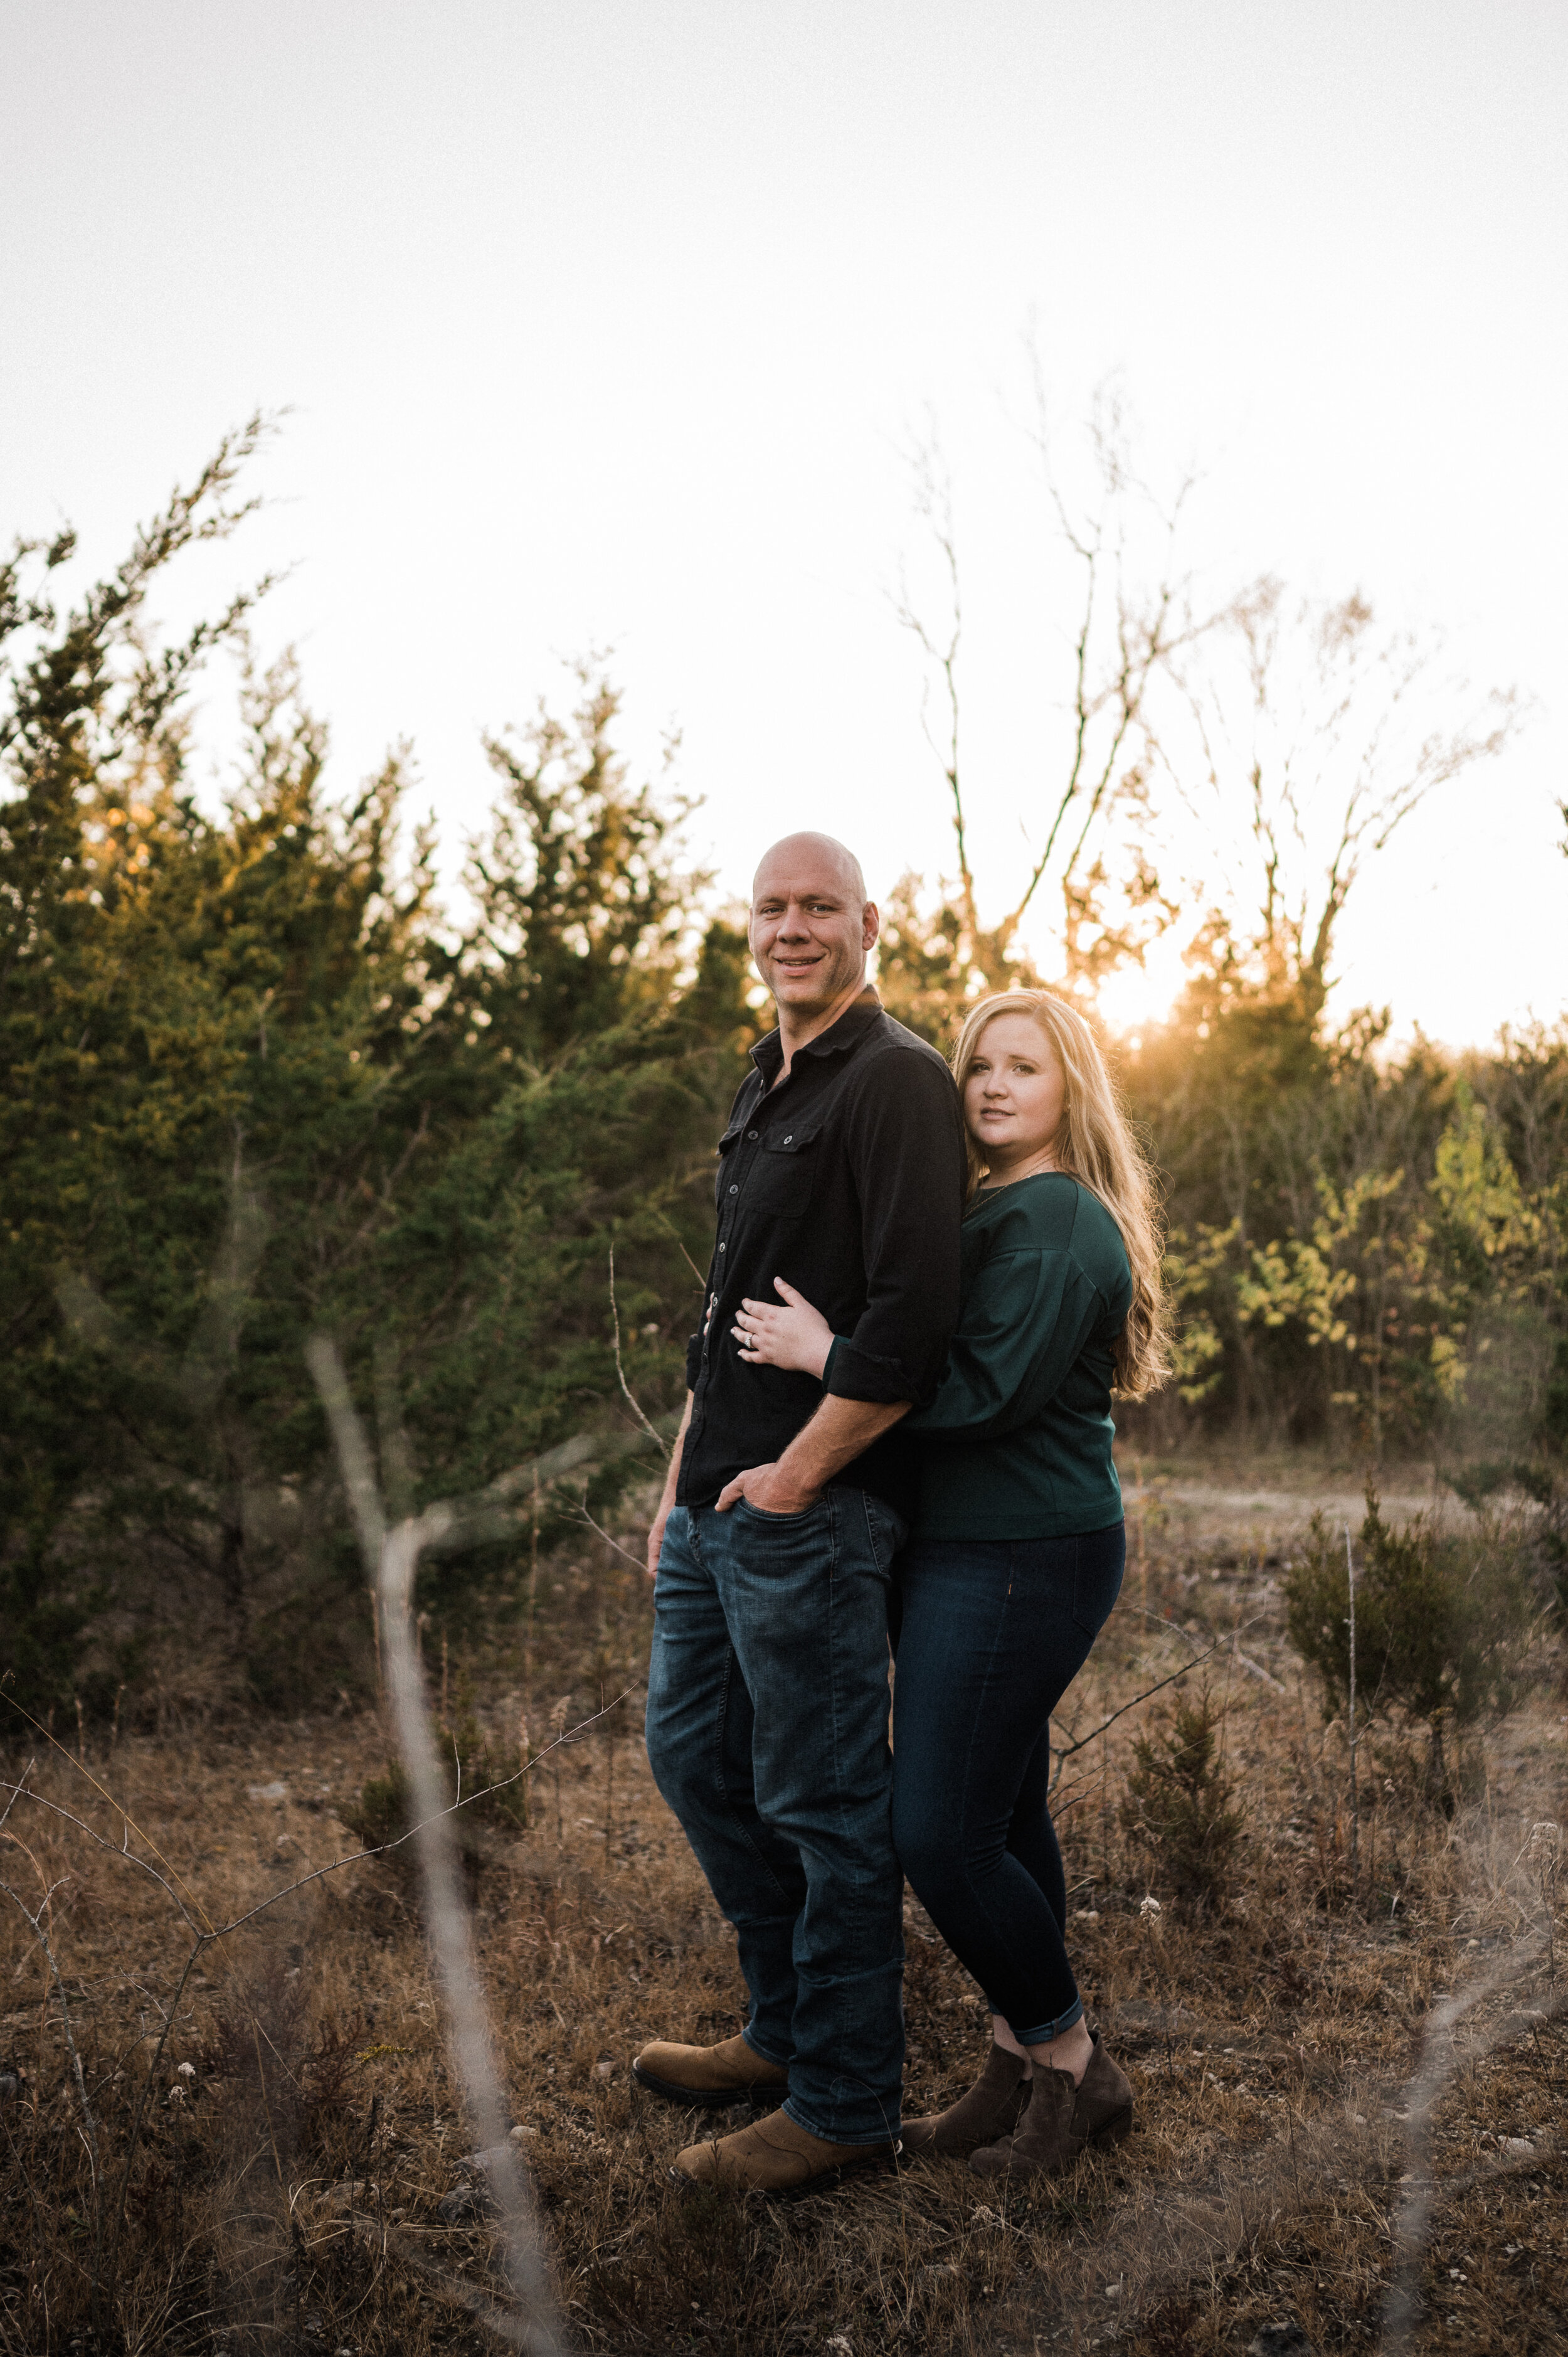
x=782 y=1173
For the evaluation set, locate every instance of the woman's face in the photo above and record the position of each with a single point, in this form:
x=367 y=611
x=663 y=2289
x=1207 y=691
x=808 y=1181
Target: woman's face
x=1013 y=1093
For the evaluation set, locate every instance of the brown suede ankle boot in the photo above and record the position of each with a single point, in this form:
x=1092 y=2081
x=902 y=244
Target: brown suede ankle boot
x=776 y=2155
x=1061 y=2119
x=709 y=2076
x=990 y=2108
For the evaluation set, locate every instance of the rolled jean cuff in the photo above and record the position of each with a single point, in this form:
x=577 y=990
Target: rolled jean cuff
x=1049 y=2030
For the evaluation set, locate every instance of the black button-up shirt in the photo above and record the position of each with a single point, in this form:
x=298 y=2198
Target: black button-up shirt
x=847 y=1180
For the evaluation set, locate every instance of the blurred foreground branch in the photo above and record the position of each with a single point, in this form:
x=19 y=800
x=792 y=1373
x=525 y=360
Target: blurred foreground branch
x=391 y=1558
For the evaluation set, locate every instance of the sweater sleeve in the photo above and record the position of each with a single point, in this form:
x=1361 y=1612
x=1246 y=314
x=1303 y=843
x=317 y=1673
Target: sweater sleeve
x=1026 y=1318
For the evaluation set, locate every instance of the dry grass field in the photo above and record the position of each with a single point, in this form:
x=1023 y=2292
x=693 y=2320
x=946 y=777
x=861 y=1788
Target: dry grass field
x=1350 y=2086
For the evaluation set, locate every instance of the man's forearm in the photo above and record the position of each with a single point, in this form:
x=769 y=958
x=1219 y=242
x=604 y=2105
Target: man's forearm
x=672 y=1479
x=671 y=1482
x=837 y=1433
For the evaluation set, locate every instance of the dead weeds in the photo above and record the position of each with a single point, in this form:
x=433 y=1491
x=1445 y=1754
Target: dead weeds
x=1349 y=2098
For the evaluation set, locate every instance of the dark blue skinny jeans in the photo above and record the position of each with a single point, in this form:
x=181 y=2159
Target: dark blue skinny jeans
x=989 y=1635
x=768 y=1712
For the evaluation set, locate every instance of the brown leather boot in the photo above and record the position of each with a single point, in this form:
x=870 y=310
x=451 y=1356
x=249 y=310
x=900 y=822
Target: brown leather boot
x=729 y=2072
x=990 y=2109
x=1061 y=2119
x=775 y=2156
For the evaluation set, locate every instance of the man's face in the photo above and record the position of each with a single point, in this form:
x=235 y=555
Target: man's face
x=809 y=929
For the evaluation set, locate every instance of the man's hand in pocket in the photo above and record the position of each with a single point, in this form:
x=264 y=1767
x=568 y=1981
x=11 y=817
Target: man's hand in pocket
x=769 y=1490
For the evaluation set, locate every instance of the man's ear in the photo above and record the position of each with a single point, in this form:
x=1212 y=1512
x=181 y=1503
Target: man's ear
x=871 y=925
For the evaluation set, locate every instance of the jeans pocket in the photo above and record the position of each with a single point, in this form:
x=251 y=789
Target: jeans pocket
x=762 y=1515
x=887 y=1530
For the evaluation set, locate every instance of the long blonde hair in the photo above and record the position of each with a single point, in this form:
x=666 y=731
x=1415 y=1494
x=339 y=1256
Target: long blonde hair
x=1095 y=1144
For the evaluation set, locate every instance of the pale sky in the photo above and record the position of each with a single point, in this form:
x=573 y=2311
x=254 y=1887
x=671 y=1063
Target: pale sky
x=603 y=322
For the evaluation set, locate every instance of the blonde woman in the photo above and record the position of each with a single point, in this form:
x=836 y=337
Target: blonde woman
x=1015 y=1554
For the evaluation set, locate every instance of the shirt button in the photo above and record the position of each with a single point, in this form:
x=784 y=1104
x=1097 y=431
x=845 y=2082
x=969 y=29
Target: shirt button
x=751 y=1133
x=735 y=1190
x=721 y=1248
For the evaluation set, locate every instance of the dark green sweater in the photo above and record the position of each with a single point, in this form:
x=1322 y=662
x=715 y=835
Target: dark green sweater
x=1017 y=1443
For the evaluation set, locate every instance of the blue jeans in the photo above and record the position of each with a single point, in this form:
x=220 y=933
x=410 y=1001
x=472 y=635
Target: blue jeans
x=990 y=1633
x=768 y=1710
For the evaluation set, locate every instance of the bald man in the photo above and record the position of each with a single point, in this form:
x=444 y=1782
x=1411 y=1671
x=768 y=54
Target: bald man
x=840 y=1171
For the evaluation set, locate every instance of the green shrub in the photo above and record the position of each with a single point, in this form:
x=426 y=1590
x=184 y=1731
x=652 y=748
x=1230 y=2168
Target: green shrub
x=1538 y=1532
x=1439 y=1622
x=1180 y=1803
x=491 y=1772
x=1492 y=1491
x=381 y=1813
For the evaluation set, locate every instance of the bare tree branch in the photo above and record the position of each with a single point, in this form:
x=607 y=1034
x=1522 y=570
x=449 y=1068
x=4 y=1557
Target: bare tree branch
x=469 y=2041
x=1122 y=639
x=933 y=505
x=1082 y=1743
x=1323 y=732
x=631 y=1402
